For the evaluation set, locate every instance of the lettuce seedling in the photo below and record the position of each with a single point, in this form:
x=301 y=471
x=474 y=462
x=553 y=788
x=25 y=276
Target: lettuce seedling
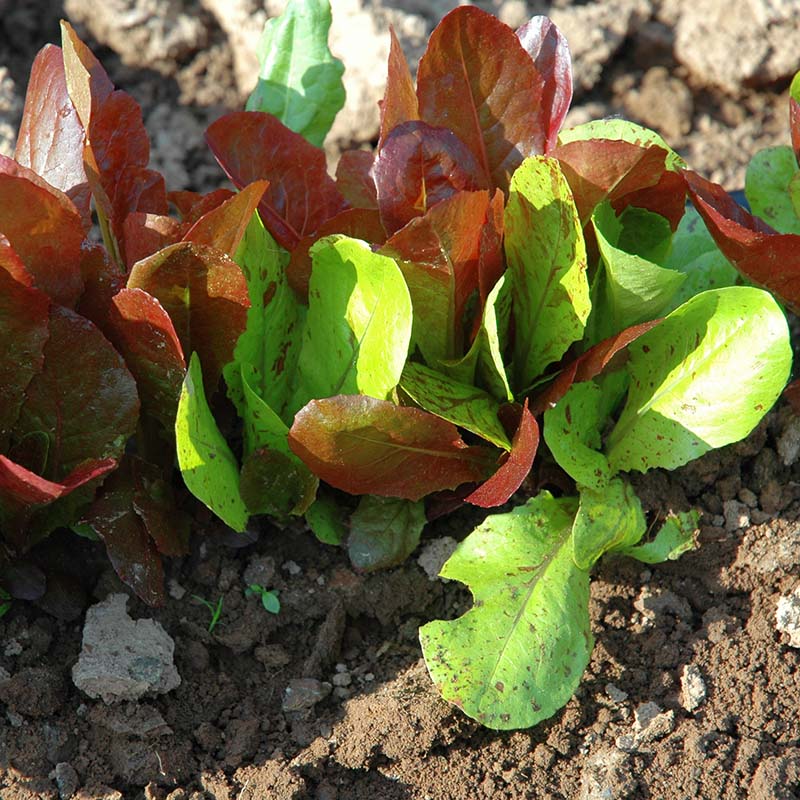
x=414 y=322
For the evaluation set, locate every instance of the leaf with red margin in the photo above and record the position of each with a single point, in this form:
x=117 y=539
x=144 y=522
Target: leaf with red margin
x=117 y=149
x=223 y=227
x=770 y=259
x=44 y=228
x=367 y=446
x=399 y=104
x=587 y=366
x=794 y=115
x=516 y=465
x=491 y=261
x=24 y=328
x=418 y=167
x=143 y=334
x=205 y=295
x=358 y=223
x=83 y=399
x=477 y=80
x=50 y=140
x=549 y=49
x=12 y=264
x=600 y=169
x=145 y=234
x=251 y=146
x=439 y=256
x=354 y=179
x=130 y=549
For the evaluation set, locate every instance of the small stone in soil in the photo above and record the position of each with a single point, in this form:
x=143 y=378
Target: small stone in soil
x=304 y=693
x=292 y=568
x=787 y=617
x=176 y=591
x=260 y=570
x=737 y=515
x=66 y=780
x=434 y=554
x=342 y=679
x=616 y=694
x=693 y=688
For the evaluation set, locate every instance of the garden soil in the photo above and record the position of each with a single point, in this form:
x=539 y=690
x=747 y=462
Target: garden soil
x=691 y=692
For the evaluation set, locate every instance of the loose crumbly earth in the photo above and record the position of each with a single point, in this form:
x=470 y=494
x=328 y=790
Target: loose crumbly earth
x=381 y=732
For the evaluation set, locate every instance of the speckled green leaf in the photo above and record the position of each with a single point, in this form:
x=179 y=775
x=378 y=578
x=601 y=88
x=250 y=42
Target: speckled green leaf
x=466 y=406
x=208 y=466
x=300 y=82
x=326 y=518
x=384 y=531
x=358 y=326
x=572 y=432
x=701 y=379
x=547 y=259
x=607 y=519
x=676 y=536
x=518 y=655
x=769 y=175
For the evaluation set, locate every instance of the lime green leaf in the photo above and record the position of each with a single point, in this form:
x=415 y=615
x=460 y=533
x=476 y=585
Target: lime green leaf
x=572 y=432
x=607 y=519
x=206 y=462
x=518 y=655
x=634 y=289
x=358 y=326
x=769 y=176
x=622 y=130
x=483 y=363
x=701 y=379
x=326 y=518
x=384 y=531
x=794 y=193
x=466 y=406
x=299 y=82
x=547 y=259
x=270 y=345
x=676 y=536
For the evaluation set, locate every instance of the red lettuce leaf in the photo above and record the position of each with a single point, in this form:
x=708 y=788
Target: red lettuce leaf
x=102 y=279
x=360 y=223
x=143 y=334
x=516 y=464
x=354 y=179
x=399 y=104
x=623 y=173
x=45 y=230
x=192 y=205
x=145 y=234
x=117 y=149
x=12 y=263
x=477 y=80
x=548 y=48
x=205 y=295
x=251 y=146
x=223 y=227
x=419 y=166
x=24 y=318
x=794 y=123
x=491 y=261
x=367 y=446
x=50 y=140
x=767 y=258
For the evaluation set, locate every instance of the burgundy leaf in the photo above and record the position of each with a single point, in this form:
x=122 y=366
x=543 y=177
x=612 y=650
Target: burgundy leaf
x=12 y=263
x=145 y=234
x=24 y=318
x=586 y=366
x=130 y=549
x=606 y=169
x=354 y=179
x=45 y=230
x=477 y=80
x=143 y=333
x=223 y=227
x=102 y=279
x=367 y=446
x=193 y=205
x=83 y=400
x=515 y=467
x=548 y=48
x=399 y=104
x=767 y=258
x=50 y=140
x=205 y=295
x=491 y=263
x=360 y=223
x=251 y=146
x=419 y=166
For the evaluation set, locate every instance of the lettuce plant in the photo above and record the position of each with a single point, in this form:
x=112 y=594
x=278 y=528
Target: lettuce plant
x=414 y=321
